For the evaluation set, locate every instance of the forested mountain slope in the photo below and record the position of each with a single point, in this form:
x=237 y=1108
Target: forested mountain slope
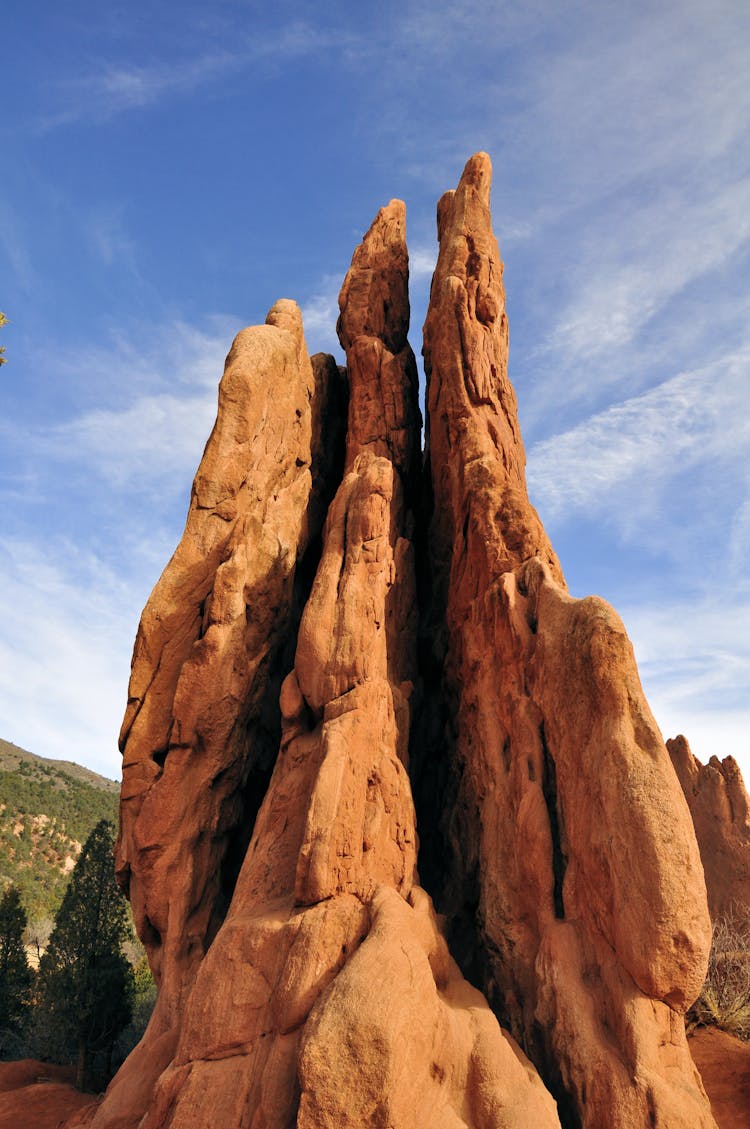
x=47 y=809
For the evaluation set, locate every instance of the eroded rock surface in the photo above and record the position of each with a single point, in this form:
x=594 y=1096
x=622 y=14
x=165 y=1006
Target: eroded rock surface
x=336 y=628
x=720 y=807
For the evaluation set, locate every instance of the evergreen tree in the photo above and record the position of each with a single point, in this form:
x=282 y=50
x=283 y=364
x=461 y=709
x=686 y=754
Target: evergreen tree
x=85 y=981
x=15 y=974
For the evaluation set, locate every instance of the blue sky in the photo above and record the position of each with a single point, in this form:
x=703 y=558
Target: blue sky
x=166 y=176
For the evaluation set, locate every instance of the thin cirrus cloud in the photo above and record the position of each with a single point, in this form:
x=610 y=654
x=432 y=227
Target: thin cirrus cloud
x=68 y=623
x=661 y=101
x=319 y=315
x=115 y=88
x=645 y=440
x=164 y=379
x=624 y=278
x=692 y=658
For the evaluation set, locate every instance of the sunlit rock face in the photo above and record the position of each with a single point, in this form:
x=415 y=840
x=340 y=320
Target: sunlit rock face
x=720 y=807
x=360 y=693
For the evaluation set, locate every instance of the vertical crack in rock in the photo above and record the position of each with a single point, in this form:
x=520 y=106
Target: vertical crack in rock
x=549 y=790
x=596 y=996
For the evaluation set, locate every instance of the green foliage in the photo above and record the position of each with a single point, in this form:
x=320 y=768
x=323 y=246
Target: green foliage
x=15 y=974
x=724 y=1001
x=144 y=1000
x=85 y=983
x=3 y=321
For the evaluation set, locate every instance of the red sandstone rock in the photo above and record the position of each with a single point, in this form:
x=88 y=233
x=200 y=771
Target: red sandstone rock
x=384 y=415
x=335 y=836
x=304 y=976
x=720 y=807
x=333 y=854
x=592 y=907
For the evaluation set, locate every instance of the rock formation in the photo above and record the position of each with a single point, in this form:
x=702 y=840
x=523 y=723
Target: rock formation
x=291 y=687
x=720 y=807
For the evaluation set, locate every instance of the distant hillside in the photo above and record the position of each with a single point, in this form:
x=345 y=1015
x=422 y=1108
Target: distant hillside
x=47 y=809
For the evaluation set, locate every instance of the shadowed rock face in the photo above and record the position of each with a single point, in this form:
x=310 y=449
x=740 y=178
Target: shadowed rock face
x=336 y=628
x=720 y=808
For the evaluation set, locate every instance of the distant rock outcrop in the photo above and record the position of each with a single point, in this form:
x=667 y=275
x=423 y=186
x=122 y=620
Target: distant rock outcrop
x=337 y=632
x=720 y=807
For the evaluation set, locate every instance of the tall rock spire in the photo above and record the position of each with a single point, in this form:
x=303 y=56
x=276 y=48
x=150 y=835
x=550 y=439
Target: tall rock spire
x=574 y=860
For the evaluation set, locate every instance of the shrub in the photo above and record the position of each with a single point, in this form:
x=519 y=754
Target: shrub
x=15 y=974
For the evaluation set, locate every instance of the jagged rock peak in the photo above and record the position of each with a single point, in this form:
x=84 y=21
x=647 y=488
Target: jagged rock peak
x=384 y=416
x=268 y=832
x=201 y=728
x=374 y=299
x=472 y=429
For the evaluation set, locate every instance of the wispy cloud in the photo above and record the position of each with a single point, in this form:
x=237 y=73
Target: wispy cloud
x=15 y=250
x=694 y=417
x=156 y=437
x=114 y=88
x=422 y=261
x=319 y=315
x=68 y=626
x=624 y=277
x=146 y=406
x=694 y=662
x=105 y=230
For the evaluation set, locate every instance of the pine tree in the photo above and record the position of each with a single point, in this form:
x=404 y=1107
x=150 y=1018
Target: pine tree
x=85 y=981
x=15 y=974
